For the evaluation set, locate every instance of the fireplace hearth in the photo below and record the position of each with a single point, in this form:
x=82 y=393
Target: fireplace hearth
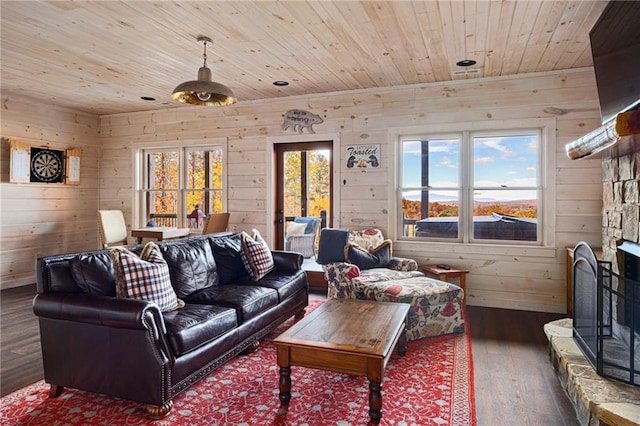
x=606 y=321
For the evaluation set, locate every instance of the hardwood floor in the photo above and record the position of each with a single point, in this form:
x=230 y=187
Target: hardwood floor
x=514 y=381
x=20 y=356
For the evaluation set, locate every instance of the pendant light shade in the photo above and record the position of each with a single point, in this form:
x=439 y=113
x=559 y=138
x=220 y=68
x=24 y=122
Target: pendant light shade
x=203 y=91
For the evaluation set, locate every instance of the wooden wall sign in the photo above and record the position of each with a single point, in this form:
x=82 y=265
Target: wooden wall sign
x=363 y=156
x=297 y=120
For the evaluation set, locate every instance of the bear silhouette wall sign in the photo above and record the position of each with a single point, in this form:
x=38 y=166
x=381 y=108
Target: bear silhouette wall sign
x=297 y=120
x=363 y=156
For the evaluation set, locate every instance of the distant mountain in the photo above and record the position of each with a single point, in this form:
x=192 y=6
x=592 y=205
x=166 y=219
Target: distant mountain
x=432 y=197
x=442 y=198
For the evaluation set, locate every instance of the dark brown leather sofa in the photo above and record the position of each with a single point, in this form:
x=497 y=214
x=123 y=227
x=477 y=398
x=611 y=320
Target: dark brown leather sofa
x=128 y=348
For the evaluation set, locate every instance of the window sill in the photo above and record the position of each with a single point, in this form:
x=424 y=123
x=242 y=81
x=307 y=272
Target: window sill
x=480 y=249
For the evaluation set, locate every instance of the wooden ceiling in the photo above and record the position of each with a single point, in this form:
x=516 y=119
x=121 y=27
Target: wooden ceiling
x=103 y=56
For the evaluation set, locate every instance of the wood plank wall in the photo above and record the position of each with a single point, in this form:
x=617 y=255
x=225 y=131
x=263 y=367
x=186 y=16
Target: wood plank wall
x=500 y=276
x=529 y=279
x=42 y=219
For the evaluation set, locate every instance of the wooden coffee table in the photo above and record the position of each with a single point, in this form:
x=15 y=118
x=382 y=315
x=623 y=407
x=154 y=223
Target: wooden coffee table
x=346 y=336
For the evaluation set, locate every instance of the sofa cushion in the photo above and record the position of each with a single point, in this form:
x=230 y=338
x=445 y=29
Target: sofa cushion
x=378 y=257
x=385 y=274
x=406 y=290
x=286 y=283
x=227 y=252
x=256 y=255
x=192 y=266
x=94 y=274
x=195 y=325
x=145 y=277
x=248 y=300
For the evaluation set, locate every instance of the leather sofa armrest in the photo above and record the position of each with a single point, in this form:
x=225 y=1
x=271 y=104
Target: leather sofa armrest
x=402 y=264
x=287 y=260
x=106 y=311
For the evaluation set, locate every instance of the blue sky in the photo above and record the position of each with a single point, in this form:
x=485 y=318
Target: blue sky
x=497 y=161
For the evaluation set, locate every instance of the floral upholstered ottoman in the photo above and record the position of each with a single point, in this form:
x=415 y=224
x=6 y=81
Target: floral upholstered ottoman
x=436 y=306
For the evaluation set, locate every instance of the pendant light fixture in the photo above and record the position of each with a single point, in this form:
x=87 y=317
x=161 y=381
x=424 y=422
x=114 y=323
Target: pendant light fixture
x=203 y=91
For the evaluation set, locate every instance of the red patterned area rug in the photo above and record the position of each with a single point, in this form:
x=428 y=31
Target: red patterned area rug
x=431 y=385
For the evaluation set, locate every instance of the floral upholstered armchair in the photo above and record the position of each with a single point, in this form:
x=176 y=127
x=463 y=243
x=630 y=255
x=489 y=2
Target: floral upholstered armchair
x=352 y=258
x=360 y=265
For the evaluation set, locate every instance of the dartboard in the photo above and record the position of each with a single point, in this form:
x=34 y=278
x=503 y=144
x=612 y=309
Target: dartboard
x=46 y=165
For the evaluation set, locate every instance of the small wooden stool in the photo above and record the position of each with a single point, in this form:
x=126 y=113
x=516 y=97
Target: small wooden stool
x=444 y=274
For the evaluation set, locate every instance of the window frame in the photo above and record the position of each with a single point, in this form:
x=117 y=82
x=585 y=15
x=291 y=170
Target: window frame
x=140 y=174
x=545 y=178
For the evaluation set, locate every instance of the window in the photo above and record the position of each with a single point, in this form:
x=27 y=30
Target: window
x=471 y=186
x=181 y=186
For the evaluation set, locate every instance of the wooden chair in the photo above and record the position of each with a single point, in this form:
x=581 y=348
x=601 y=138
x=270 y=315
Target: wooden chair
x=216 y=222
x=113 y=229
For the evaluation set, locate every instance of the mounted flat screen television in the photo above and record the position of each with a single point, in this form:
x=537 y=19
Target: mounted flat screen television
x=615 y=47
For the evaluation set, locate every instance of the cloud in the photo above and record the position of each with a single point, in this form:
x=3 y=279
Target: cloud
x=484 y=160
x=439 y=148
x=446 y=162
x=497 y=145
x=441 y=145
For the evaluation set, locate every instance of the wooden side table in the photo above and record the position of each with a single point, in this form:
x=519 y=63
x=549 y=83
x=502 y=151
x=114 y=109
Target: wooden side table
x=444 y=274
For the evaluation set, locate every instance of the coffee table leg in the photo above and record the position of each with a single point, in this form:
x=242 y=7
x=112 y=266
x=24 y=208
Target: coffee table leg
x=401 y=346
x=285 y=386
x=375 y=402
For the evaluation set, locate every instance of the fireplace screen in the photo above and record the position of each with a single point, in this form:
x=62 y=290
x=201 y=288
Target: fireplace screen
x=606 y=313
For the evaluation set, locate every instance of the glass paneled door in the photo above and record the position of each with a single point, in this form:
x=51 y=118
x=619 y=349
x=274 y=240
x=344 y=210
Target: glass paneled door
x=303 y=184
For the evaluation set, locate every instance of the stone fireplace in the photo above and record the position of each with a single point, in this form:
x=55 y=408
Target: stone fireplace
x=621 y=241
x=598 y=399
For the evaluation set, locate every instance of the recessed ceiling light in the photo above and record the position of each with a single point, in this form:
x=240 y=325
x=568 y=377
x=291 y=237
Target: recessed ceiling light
x=280 y=83
x=147 y=98
x=466 y=63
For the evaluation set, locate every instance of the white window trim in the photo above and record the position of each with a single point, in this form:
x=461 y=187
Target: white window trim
x=181 y=145
x=546 y=176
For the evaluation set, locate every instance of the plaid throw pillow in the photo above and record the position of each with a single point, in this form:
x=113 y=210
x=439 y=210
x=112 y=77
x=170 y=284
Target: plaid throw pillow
x=256 y=255
x=145 y=277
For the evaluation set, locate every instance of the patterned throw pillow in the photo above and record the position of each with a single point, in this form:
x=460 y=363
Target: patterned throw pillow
x=256 y=255
x=145 y=277
x=377 y=257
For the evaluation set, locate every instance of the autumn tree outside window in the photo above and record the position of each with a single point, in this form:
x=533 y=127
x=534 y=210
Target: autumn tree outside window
x=306 y=183
x=176 y=181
